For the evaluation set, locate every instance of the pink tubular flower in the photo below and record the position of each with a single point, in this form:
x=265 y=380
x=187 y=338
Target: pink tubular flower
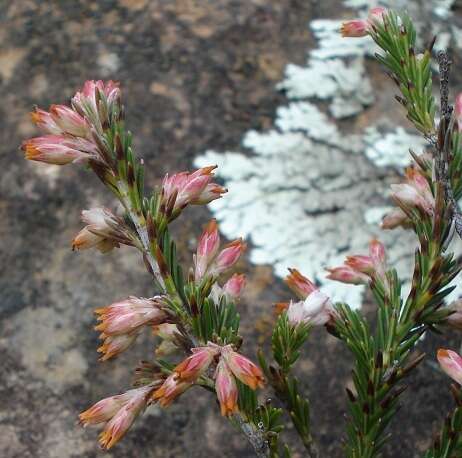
x=316 y=310
x=118 y=412
x=113 y=345
x=375 y=15
x=451 y=363
x=103 y=231
x=354 y=28
x=394 y=219
x=362 y=27
x=234 y=286
x=99 y=220
x=242 y=368
x=170 y=390
x=228 y=256
x=55 y=149
x=360 y=263
x=226 y=389
x=346 y=274
x=69 y=121
x=195 y=365
x=211 y=192
x=377 y=254
x=299 y=284
x=416 y=192
x=206 y=249
x=45 y=122
x=86 y=239
x=458 y=111
x=129 y=315
x=102 y=411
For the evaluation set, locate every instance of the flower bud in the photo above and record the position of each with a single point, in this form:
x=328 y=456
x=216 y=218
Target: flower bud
x=316 y=310
x=195 y=365
x=210 y=193
x=362 y=27
x=99 y=218
x=102 y=411
x=170 y=390
x=207 y=249
x=45 y=122
x=69 y=121
x=375 y=16
x=299 y=284
x=361 y=263
x=377 y=253
x=116 y=344
x=103 y=230
x=54 y=149
x=234 y=286
x=86 y=239
x=354 y=28
x=228 y=256
x=128 y=315
x=346 y=274
x=395 y=218
x=451 y=363
x=242 y=368
x=416 y=192
x=226 y=389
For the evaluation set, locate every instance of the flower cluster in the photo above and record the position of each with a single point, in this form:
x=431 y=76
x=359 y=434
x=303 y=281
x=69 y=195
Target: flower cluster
x=413 y=197
x=361 y=269
x=117 y=413
x=70 y=131
x=230 y=365
x=210 y=262
x=184 y=188
x=121 y=323
x=197 y=315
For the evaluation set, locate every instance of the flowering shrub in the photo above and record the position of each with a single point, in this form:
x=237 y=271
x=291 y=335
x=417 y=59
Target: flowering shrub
x=192 y=314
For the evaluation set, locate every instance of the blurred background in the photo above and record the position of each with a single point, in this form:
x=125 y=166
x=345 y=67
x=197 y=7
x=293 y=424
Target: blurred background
x=308 y=138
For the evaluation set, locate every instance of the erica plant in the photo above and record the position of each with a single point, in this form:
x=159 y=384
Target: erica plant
x=193 y=311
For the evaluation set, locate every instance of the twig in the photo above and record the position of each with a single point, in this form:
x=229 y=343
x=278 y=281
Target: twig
x=142 y=233
x=443 y=146
x=254 y=436
x=305 y=436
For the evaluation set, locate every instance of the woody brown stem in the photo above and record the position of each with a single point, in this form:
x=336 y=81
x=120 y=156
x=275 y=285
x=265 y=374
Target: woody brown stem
x=142 y=231
x=254 y=436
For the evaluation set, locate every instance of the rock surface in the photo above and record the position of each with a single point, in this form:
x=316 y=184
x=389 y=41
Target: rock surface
x=196 y=74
